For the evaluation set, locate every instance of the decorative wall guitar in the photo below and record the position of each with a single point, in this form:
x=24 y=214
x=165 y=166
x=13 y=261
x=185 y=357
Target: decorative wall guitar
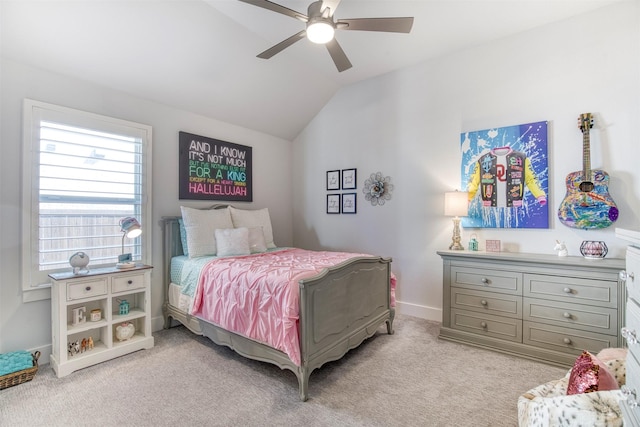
x=587 y=204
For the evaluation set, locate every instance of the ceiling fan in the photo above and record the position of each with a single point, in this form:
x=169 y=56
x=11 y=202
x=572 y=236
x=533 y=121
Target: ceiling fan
x=321 y=27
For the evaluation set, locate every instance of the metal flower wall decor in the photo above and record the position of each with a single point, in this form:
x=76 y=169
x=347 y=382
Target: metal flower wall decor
x=377 y=189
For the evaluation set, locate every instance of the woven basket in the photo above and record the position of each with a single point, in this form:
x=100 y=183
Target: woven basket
x=20 y=377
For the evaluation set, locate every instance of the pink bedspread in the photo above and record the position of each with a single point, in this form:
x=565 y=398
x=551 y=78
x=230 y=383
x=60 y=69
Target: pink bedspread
x=257 y=296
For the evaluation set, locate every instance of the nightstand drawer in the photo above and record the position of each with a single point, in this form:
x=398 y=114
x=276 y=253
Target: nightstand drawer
x=90 y=288
x=602 y=293
x=504 y=328
x=566 y=339
x=127 y=283
x=493 y=280
x=597 y=319
x=486 y=302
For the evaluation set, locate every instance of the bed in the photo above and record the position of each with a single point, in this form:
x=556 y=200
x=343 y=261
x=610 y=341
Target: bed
x=337 y=307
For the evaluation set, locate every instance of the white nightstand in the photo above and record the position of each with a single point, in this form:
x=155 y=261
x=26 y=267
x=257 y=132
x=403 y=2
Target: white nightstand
x=103 y=289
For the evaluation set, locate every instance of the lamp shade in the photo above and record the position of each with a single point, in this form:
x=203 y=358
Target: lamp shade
x=130 y=227
x=320 y=31
x=456 y=203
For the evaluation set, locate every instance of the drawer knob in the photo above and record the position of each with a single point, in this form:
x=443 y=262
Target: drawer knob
x=566 y=315
x=485 y=280
x=629 y=395
x=567 y=341
x=484 y=325
x=567 y=290
x=88 y=288
x=629 y=335
x=129 y=282
x=483 y=302
x=623 y=275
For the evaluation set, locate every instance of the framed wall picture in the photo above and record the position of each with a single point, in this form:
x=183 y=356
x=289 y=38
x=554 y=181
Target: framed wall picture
x=349 y=203
x=333 y=203
x=333 y=180
x=493 y=245
x=349 y=179
x=211 y=169
x=506 y=172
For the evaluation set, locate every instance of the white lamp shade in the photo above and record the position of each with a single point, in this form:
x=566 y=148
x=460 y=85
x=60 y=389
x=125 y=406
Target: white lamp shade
x=320 y=32
x=456 y=203
x=130 y=227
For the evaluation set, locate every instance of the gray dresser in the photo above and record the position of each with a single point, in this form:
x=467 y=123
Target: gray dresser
x=631 y=275
x=542 y=307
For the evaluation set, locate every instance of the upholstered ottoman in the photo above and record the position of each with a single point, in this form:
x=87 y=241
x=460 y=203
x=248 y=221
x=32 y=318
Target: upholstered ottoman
x=549 y=405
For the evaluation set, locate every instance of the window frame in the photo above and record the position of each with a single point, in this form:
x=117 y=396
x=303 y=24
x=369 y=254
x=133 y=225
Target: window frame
x=35 y=283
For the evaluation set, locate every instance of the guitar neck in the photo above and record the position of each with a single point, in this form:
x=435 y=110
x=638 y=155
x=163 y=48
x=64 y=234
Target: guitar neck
x=586 y=156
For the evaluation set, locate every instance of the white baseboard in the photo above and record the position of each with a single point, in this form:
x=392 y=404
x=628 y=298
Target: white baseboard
x=421 y=311
x=157 y=323
x=45 y=352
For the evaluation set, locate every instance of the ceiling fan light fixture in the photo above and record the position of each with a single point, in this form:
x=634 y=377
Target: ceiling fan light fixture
x=320 y=31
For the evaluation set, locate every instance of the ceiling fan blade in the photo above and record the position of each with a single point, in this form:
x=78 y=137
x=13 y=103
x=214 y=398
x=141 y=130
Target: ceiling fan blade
x=338 y=56
x=331 y=4
x=282 y=45
x=265 y=4
x=391 y=25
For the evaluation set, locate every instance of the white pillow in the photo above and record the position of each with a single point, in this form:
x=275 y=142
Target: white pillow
x=255 y=218
x=257 y=243
x=232 y=241
x=201 y=225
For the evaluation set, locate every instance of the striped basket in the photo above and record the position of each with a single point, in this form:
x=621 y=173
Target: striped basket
x=22 y=376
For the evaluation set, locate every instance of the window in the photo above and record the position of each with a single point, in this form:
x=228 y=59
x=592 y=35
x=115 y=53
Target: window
x=83 y=173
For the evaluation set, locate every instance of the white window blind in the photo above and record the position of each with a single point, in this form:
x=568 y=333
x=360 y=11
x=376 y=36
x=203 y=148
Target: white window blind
x=87 y=173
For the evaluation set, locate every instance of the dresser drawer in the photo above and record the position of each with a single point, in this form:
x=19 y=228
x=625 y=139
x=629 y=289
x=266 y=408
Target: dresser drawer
x=87 y=289
x=127 y=283
x=633 y=271
x=633 y=327
x=481 y=278
x=572 y=289
x=632 y=382
x=504 y=328
x=598 y=319
x=487 y=302
x=565 y=339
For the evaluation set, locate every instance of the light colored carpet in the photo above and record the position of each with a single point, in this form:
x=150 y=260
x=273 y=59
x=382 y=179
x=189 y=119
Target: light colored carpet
x=407 y=379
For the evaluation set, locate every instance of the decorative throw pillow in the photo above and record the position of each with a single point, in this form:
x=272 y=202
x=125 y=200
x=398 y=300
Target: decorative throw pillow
x=257 y=244
x=590 y=374
x=232 y=241
x=254 y=218
x=201 y=225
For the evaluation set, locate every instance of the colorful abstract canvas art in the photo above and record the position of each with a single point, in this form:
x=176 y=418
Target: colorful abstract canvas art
x=505 y=171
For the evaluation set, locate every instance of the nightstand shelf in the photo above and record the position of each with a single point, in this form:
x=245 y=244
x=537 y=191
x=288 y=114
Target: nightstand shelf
x=101 y=289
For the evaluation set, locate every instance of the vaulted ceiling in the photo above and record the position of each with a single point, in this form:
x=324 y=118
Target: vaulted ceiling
x=200 y=55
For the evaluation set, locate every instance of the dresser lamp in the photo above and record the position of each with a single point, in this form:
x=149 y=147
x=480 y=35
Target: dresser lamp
x=130 y=228
x=456 y=204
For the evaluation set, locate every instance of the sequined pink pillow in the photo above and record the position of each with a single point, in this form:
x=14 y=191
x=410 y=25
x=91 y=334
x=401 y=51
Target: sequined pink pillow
x=590 y=374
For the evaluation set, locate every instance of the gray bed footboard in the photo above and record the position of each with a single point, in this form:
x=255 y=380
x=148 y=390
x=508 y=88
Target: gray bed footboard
x=339 y=309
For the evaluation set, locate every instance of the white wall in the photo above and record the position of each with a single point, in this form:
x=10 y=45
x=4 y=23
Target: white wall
x=407 y=125
x=28 y=325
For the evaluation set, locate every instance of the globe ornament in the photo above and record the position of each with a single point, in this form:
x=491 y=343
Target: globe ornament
x=79 y=262
x=377 y=189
